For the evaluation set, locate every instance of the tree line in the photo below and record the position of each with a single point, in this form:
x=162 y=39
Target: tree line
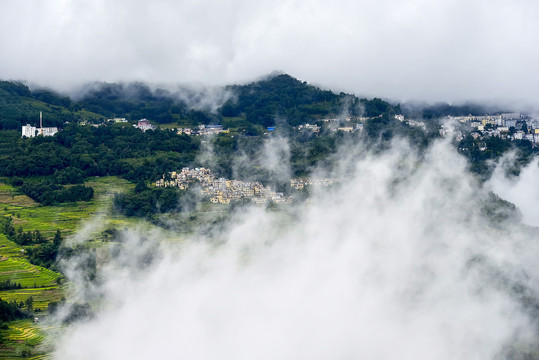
x=48 y=192
x=145 y=202
x=10 y=311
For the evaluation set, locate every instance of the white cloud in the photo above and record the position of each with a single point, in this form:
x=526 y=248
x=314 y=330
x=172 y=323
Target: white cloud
x=521 y=191
x=413 y=49
x=395 y=263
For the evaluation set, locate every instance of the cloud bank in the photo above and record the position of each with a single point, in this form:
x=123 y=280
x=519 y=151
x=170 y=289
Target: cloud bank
x=521 y=191
x=397 y=261
x=446 y=50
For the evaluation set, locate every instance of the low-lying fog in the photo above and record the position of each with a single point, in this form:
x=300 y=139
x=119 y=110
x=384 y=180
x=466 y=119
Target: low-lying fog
x=400 y=260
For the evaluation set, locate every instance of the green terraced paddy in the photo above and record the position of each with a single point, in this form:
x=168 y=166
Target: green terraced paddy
x=42 y=296
x=4 y=187
x=39 y=282
x=9 y=248
x=25 y=335
x=28 y=275
x=31 y=216
x=23 y=331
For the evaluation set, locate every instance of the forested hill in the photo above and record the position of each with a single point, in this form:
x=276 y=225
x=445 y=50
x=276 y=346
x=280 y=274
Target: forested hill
x=18 y=105
x=286 y=97
x=261 y=103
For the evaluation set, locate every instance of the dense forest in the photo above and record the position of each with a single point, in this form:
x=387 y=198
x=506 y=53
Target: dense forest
x=81 y=151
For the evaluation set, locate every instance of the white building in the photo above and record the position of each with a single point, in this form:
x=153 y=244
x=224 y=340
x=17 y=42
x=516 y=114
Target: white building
x=32 y=131
x=510 y=123
x=508 y=116
x=144 y=125
x=29 y=131
x=347 y=129
x=48 y=131
x=314 y=128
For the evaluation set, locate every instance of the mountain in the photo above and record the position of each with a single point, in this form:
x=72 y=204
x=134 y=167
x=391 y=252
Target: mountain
x=261 y=103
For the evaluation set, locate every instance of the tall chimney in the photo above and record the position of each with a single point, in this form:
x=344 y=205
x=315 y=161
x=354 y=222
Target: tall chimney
x=40 y=120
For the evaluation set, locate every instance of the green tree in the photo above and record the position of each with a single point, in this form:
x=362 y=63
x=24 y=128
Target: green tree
x=57 y=239
x=29 y=303
x=140 y=187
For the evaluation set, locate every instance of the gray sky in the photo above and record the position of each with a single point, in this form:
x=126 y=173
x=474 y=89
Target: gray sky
x=401 y=49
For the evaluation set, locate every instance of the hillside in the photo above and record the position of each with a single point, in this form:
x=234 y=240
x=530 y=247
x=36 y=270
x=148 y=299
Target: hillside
x=261 y=102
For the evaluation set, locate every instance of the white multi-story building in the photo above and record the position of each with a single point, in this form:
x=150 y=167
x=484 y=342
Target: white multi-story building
x=510 y=123
x=29 y=131
x=32 y=131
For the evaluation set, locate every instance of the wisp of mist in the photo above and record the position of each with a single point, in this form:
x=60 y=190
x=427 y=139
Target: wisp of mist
x=397 y=260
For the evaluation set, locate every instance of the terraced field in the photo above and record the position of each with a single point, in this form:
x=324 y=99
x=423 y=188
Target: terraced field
x=9 y=249
x=23 y=331
x=20 y=271
x=41 y=296
x=38 y=282
x=67 y=217
x=24 y=337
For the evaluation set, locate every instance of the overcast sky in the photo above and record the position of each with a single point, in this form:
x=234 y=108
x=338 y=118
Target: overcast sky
x=431 y=50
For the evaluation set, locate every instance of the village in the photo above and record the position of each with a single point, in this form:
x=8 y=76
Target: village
x=221 y=190
x=507 y=126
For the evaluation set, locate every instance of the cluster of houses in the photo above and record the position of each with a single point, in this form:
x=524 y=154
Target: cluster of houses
x=510 y=126
x=221 y=190
x=145 y=125
x=204 y=130
x=300 y=183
